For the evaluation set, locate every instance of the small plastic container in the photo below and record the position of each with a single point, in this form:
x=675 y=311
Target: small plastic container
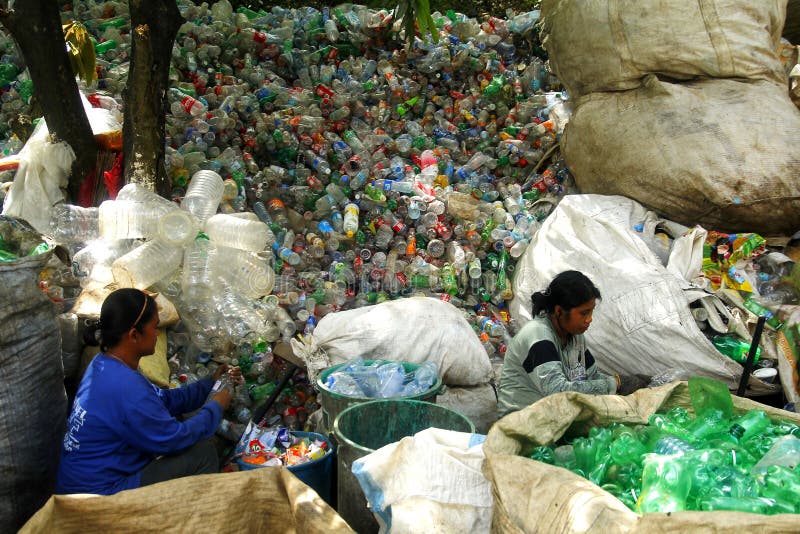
x=766 y=374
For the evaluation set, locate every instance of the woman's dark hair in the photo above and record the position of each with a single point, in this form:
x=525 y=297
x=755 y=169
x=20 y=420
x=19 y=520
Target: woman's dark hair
x=122 y=310
x=568 y=290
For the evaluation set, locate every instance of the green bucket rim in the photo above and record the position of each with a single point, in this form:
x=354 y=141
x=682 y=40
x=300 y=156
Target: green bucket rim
x=435 y=389
x=342 y=439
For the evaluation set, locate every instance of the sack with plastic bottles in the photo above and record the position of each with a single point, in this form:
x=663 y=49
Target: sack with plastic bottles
x=33 y=402
x=693 y=152
x=643 y=324
x=413 y=330
x=226 y=500
x=530 y=493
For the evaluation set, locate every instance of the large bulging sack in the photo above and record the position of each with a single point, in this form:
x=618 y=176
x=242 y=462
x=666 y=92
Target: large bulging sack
x=531 y=496
x=412 y=330
x=611 y=45
x=643 y=324
x=719 y=153
x=33 y=402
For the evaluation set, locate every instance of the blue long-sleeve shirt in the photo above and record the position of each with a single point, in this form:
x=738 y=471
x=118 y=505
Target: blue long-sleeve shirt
x=120 y=422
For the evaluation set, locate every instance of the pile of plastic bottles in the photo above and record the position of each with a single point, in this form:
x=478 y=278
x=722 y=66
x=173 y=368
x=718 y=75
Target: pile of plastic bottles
x=267 y=447
x=377 y=172
x=381 y=379
x=326 y=167
x=681 y=462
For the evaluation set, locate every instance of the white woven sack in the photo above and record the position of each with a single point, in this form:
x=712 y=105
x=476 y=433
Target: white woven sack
x=643 y=323
x=413 y=330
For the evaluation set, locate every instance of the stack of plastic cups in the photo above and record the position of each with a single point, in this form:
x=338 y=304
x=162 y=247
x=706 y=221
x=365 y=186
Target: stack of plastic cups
x=203 y=195
x=145 y=265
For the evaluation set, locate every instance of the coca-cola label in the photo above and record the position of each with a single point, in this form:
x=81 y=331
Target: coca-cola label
x=186 y=103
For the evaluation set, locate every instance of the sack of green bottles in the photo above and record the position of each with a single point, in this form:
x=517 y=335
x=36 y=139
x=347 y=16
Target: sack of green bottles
x=672 y=458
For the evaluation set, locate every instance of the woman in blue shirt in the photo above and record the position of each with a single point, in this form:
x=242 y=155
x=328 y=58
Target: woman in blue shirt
x=123 y=431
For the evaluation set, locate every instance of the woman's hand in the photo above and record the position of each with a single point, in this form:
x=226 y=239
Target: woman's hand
x=630 y=383
x=236 y=373
x=221 y=370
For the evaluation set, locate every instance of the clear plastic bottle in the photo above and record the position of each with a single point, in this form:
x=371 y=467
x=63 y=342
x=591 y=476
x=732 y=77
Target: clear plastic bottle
x=129 y=219
x=203 y=195
x=350 y=223
x=199 y=269
x=147 y=264
x=74 y=224
x=224 y=382
x=183 y=104
x=234 y=232
x=248 y=272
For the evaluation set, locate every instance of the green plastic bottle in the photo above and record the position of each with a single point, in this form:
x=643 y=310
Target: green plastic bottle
x=752 y=423
x=665 y=485
x=734 y=348
x=543 y=454
x=759 y=309
x=627 y=449
x=783 y=485
x=710 y=423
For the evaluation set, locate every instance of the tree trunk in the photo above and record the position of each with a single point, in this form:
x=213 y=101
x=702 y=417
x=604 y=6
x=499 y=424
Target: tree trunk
x=36 y=27
x=154 y=25
x=791 y=30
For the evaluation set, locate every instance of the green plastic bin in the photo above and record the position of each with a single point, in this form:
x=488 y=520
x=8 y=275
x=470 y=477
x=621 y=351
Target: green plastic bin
x=334 y=403
x=365 y=427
